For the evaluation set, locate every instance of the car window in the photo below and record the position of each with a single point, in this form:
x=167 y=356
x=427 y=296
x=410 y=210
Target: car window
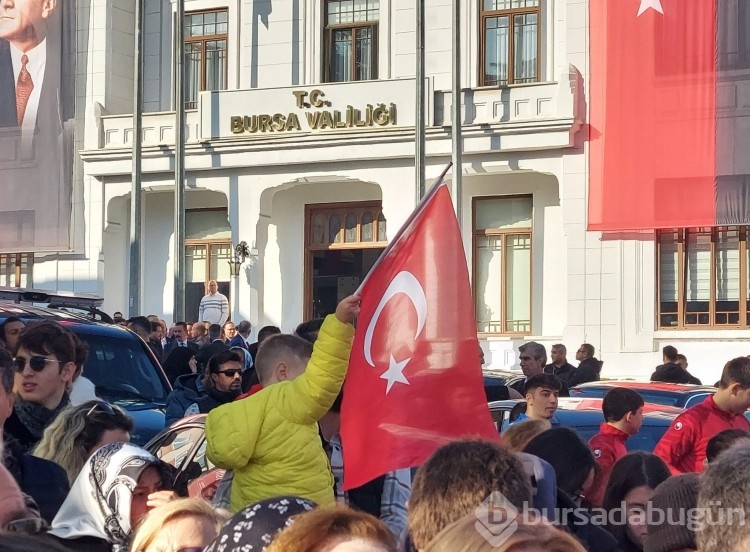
x=200 y=458
x=498 y=417
x=176 y=447
x=123 y=367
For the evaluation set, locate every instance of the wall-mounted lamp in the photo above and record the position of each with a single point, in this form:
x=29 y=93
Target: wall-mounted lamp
x=241 y=252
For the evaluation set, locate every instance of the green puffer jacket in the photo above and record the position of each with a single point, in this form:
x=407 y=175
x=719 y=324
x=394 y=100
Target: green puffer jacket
x=271 y=440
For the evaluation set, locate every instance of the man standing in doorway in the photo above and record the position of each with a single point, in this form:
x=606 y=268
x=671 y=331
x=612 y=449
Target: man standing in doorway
x=214 y=306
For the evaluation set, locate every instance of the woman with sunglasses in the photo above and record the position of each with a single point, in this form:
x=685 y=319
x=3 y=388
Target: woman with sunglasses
x=115 y=490
x=79 y=431
x=223 y=382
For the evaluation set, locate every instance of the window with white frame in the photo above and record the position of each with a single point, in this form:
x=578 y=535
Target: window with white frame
x=502 y=264
x=16 y=270
x=351 y=40
x=510 y=41
x=206 y=36
x=703 y=277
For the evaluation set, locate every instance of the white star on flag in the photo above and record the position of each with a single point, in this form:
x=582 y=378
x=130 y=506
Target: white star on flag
x=650 y=4
x=395 y=373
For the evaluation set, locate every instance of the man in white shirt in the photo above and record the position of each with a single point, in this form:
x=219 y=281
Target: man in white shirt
x=214 y=306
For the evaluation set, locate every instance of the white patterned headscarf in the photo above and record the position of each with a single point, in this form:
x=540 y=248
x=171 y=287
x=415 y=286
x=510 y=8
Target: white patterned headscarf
x=254 y=528
x=98 y=504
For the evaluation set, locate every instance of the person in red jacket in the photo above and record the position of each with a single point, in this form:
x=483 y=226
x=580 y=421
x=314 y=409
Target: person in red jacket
x=623 y=412
x=683 y=446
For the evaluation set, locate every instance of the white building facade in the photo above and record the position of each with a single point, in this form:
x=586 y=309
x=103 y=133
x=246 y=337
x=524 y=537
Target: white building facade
x=300 y=142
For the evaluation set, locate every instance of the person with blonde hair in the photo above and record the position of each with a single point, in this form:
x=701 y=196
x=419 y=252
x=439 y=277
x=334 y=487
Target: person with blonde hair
x=185 y=524
x=518 y=435
x=335 y=529
x=538 y=535
x=79 y=431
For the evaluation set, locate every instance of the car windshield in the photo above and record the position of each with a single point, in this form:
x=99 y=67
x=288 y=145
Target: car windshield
x=122 y=370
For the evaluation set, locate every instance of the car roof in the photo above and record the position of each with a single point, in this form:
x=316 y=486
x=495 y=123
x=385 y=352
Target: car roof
x=31 y=312
x=592 y=407
x=649 y=386
x=190 y=420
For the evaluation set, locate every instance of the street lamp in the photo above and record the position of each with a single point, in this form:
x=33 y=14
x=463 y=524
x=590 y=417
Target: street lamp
x=241 y=252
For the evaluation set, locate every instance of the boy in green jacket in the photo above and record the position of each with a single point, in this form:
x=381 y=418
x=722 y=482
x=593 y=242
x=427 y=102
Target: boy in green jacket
x=271 y=439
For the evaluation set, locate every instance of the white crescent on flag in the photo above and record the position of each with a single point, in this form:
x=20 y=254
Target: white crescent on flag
x=404 y=282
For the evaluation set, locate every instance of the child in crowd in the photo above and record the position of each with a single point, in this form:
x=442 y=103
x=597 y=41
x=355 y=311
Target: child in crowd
x=271 y=439
x=623 y=414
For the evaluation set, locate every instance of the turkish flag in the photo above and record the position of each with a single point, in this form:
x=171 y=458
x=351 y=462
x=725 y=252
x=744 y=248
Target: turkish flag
x=669 y=132
x=415 y=380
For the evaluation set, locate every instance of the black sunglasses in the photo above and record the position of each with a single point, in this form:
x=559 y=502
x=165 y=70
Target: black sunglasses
x=103 y=407
x=231 y=372
x=37 y=363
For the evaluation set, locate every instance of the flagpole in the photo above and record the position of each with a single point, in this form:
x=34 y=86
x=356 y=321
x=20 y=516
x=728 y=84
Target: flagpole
x=136 y=264
x=419 y=121
x=457 y=117
x=420 y=207
x=179 y=166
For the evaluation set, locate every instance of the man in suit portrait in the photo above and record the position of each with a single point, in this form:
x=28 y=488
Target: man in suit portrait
x=31 y=62
x=36 y=123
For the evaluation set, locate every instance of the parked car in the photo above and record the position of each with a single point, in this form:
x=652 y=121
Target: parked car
x=120 y=365
x=501 y=377
x=585 y=417
x=669 y=394
x=183 y=445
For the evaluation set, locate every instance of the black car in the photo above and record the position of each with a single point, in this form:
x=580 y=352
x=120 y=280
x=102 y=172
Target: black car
x=120 y=365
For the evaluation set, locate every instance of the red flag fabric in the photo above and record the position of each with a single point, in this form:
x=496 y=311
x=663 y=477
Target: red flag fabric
x=414 y=381
x=653 y=115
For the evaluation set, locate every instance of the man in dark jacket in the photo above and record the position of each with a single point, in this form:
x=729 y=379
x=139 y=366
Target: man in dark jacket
x=560 y=366
x=179 y=338
x=44 y=481
x=187 y=390
x=672 y=371
x=223 y=382
x=216 y=345
x=46 y=363
x=243 y=334
x=588 y=367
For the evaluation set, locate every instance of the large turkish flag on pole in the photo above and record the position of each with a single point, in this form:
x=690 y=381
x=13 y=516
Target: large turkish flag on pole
x=659 y=150
x=415 y=380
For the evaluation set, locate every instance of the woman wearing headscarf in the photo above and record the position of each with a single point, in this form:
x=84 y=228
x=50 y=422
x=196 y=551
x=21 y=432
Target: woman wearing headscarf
x=256 y=526
x=117 y=486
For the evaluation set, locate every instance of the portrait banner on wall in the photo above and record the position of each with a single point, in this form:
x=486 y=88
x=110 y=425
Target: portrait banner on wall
x=37 y=106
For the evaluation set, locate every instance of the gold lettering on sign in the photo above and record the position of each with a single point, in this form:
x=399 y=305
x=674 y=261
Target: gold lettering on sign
x=318 y=116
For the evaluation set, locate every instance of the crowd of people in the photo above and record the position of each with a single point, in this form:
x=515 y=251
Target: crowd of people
x=70 y=479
